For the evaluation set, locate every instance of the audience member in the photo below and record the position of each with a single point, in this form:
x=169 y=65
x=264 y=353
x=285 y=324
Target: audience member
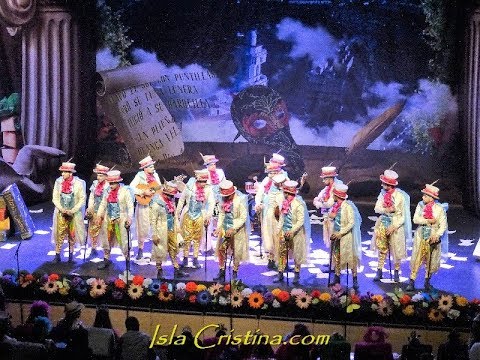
x=188 y=351
x=221 y=349
x=474 y=351
x=374 y=346
x=71 y=334
x=102 y=338
x=134 y=344
x=294 y=350
x=415 y=350
x=337 y=348
x=39 y=332
x=453 y=349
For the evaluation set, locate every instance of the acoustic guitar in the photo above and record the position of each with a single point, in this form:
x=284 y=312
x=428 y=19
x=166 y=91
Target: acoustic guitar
x=145 y=199
x=156 y=187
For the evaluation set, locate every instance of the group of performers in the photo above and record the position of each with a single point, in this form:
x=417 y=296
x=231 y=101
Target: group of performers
x=210 y=207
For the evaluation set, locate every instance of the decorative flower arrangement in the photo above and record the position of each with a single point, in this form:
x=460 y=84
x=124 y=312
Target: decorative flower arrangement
x=334 y=303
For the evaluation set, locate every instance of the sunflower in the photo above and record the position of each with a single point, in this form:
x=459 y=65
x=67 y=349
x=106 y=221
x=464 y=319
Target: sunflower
x=237 y=299
x=165 y=296
x=303 y=301
x=98 y=288
x=255 y=300
x=51 y=287
x=435 y=315
x=325 y=297
x=215 y=289
x=461 y=301
x=445 y=303
x=408 y=310
x=135 y=291
x=384 y=309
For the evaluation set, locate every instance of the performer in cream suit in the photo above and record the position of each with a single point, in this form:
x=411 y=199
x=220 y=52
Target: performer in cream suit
x=194 y=212
x=293 y=230
x=165 y=229
x=97 y=191
x=393 y=229
x=324 y=201
x=116 y=210
x=267 y=190
x=215 y=177
x=430 y=236
x=69 y=195
x=346 y=237
x=146 y=177
x=233 y=229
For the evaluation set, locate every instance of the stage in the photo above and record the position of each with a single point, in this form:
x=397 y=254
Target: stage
x=36 y=255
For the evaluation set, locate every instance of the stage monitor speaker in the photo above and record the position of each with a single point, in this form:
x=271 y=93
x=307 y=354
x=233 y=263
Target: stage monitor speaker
x=476 y=252
x=18 y=211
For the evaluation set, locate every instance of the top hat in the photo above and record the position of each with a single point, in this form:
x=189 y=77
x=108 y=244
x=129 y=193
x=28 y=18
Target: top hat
x=67 y=167
x=227 y=188
x=250 y=187
x=113 y=176
x=389 y=177
x=170 y=188
x=277 y=159
x=431 y=190
x=328 y=171
x=209 y=159
x=201 y=175
x=100 y=169
x=146 y=162
x=340 y=190
x=290 y=186
x=279 y=178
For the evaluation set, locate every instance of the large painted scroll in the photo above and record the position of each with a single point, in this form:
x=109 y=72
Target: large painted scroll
x=141 y=117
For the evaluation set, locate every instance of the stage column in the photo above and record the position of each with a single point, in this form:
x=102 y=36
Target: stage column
x=58 y=65
x=471 y=128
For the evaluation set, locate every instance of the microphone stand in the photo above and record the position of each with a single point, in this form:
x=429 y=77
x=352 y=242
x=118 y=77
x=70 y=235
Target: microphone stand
x=127 y=261
x=18 y=276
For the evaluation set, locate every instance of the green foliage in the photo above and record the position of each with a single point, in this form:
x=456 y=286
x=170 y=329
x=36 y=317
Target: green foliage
x=112 y=33
x=440 y=17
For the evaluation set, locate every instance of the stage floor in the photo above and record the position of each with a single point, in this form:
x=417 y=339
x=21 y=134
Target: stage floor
x=459 y=275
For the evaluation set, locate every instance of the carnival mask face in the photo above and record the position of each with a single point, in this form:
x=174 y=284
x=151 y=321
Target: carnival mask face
x=259 y=112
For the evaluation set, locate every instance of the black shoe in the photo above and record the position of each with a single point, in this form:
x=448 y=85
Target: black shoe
x=159 y=273
x=57 y=259
x=336 y=280
x=105 y=264
x=70 y=258
x=396 y=276
x=355 y=283
x=410 y=286
x=184 y=262
x=234 y=275
x=279 y=278
x=427 y=285
x=140 y=254
x=93 y=253
x=220 y=275
x=196 y=264
x=177 y=273
x=379 y=275
x=296 y=278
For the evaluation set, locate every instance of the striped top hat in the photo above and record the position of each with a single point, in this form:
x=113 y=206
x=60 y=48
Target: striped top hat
x=201 y=175
x=277 y=159
x=170 y=188
x=67 y=167
x=279 y=178
x=113 y=176
x=340 y=190
x=100 y=169
x=227 y=188
x=290 y=186
x=250 y=187
x=389 y=177
x=431 y=190
x=328 y=171
x=146 y=162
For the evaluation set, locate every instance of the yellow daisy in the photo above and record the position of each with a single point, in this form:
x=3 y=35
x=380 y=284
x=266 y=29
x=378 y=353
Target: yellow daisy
x=461 y=301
